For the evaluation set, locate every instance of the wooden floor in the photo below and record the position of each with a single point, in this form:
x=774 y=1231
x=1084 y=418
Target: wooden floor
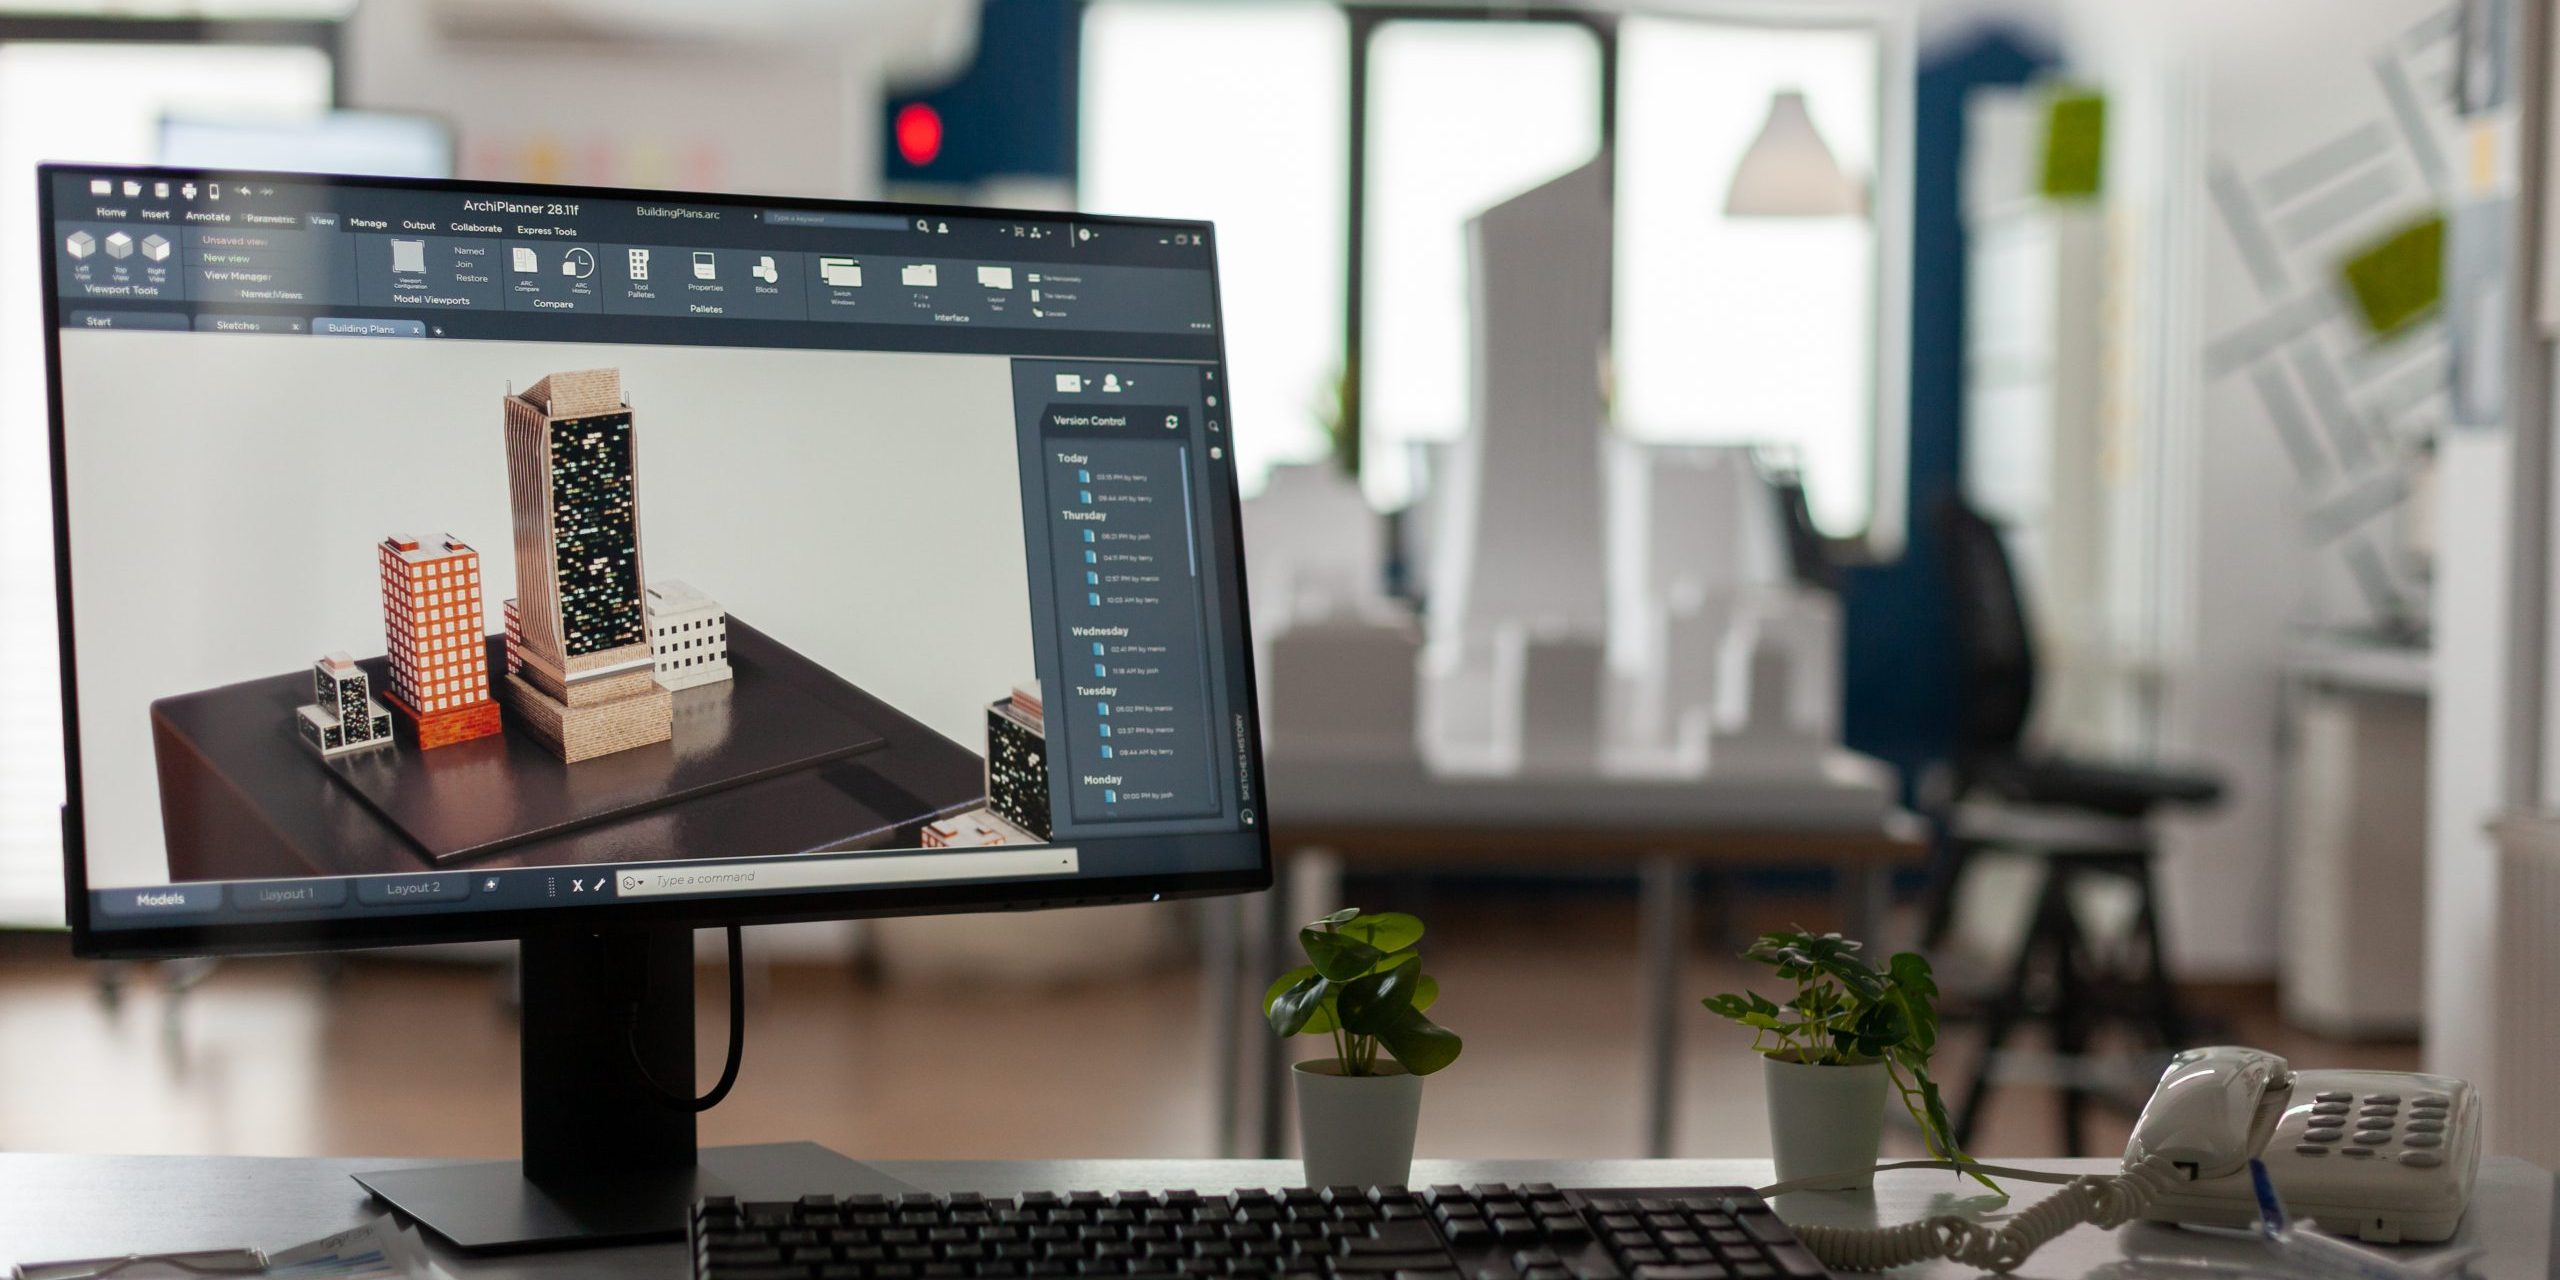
x=394 y=1057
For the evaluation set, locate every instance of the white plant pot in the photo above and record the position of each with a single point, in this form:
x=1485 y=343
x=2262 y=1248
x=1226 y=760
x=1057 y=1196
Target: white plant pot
x=1357 y=1130
x=1825 y=1120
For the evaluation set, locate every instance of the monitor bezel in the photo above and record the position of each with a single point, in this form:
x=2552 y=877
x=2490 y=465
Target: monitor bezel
x=341 y=933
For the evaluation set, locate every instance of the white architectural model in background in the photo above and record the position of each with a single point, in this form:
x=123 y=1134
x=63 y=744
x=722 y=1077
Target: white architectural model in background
x=688 y=636
x=1513 y=664
x=1596 y=607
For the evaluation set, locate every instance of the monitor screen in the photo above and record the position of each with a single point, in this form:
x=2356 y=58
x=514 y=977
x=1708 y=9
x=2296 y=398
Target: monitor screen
x=449 y=560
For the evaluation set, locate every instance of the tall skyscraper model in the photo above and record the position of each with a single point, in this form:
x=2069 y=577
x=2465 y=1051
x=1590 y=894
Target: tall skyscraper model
x=437 y=634
x=580 y=676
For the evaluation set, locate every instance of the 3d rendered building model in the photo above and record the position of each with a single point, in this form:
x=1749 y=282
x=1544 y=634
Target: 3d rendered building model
x=1017 y=808
x=437 y=636
x=345 y=718
x=581 y=675
x=1018 y=762
x=688 y=635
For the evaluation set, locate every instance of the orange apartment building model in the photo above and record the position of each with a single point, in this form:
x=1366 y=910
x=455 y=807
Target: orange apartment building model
x=437 y=636
x=580 y=674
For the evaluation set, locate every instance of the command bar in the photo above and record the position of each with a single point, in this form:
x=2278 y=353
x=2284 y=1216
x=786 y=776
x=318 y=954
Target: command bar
x=845 y=873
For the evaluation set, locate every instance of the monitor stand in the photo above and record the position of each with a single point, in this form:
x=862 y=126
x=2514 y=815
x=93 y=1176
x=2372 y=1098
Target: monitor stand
x=606 y=1160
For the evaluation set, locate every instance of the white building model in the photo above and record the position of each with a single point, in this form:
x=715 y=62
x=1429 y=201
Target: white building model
x=688 y=636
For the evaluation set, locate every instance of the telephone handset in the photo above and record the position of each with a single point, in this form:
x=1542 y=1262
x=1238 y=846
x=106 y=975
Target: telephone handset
x=2381 y=1155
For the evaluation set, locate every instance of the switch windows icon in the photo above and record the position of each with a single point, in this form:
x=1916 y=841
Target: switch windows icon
x=840 y=273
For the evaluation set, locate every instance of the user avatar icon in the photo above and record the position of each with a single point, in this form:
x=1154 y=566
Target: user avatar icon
x=1111 y=382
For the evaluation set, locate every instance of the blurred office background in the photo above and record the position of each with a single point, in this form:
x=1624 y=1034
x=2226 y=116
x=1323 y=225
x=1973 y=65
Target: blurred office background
x=2182 y=364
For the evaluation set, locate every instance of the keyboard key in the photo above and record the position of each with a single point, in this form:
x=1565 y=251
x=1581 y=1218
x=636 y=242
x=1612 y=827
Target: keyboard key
x=1690 y=1271
x=1386 y=1264
x=1796 y=1262
x=1395 y=1237
x=1765 y=1227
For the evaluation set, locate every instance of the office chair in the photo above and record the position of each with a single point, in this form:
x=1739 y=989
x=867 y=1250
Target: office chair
x=2082 y=820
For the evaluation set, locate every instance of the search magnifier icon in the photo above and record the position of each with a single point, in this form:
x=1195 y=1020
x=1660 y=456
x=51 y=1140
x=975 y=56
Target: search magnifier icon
x=921 y=225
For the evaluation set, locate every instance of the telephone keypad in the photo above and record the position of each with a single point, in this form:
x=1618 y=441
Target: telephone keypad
x=2424 y=1140
x=2424 y=1125
x=2332 y=1096
x=2421 y=1159
x=2323 y=1135
x=2373 y=1137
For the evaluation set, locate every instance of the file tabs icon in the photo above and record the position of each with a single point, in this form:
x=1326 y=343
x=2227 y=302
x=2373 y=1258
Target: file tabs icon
x=918 y=275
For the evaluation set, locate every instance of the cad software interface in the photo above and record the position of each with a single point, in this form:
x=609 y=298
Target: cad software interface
x=439 y=549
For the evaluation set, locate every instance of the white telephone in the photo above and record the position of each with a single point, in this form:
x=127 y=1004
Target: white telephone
x=2381 y=1155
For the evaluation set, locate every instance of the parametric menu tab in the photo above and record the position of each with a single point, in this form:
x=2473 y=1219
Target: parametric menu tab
x=1116 y=458
x=514 y=266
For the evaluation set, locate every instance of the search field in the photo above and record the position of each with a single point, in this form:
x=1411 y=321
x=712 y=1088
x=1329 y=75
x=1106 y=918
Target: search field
x=835 y=221
x=841 y=873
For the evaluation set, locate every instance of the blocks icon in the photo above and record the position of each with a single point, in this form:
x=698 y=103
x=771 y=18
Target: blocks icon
x=156 y=247
x=119 y=244
x=81 y=244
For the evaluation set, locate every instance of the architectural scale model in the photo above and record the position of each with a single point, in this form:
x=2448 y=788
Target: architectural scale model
x=976 y=829
x=688 y=636
x=345 y=718
x=1018 y=762
x=580 y=671
x=437 y=636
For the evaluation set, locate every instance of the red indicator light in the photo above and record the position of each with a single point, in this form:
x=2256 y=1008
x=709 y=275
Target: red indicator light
x=919 y=134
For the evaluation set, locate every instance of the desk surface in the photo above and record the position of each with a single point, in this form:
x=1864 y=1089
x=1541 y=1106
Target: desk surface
x=76 y=1206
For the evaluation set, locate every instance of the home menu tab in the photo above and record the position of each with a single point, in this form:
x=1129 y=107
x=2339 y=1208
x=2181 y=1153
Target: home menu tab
x=302 y=257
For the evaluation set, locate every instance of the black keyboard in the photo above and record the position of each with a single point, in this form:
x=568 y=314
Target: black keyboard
x=1485 y=1232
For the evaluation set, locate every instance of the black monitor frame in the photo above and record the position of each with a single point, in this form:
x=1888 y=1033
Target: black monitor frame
x=621 y=915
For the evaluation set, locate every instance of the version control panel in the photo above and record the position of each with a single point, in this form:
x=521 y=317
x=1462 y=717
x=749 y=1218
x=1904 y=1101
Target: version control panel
x=1126 y=483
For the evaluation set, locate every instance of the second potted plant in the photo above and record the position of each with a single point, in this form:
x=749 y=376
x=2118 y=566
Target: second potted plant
x=1831 y=1050
x=1364 y=987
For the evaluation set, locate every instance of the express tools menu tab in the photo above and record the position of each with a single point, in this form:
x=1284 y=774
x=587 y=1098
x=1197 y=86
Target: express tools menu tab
x=1132 y=724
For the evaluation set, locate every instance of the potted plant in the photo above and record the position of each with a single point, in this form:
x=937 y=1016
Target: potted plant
x=1364 y=987
x=1830 y=1051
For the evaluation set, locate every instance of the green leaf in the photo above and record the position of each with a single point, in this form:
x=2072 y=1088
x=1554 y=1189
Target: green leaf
x=1290 y=1009
x=1389 y=931
x=1340 y=918
x=1426 y=994
x=1372 y=1004
x=1423 y=1046
x=1338 y=957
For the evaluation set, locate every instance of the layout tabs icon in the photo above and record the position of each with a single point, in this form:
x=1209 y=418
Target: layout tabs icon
x=995 y=277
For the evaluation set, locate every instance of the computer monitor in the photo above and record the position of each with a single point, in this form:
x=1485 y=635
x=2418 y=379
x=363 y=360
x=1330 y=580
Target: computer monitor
x=457 y=560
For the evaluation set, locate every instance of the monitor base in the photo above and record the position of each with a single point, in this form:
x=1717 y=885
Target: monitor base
x=490 y=1206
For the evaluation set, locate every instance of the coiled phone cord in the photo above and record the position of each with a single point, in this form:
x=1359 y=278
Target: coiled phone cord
x=2107 y=1201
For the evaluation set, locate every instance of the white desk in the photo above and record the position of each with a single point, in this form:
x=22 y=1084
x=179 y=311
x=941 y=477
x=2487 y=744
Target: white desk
x=83 y=1206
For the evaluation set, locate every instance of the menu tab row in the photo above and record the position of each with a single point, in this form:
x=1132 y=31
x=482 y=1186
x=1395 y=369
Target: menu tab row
x=307 y=266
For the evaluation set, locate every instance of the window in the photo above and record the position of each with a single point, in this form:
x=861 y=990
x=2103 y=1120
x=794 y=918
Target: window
x=1236 y=112
x=1777 y=316
x=97 y=101
x=1462 y=115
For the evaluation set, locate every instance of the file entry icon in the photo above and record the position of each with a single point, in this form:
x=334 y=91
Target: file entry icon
x=919 y=275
